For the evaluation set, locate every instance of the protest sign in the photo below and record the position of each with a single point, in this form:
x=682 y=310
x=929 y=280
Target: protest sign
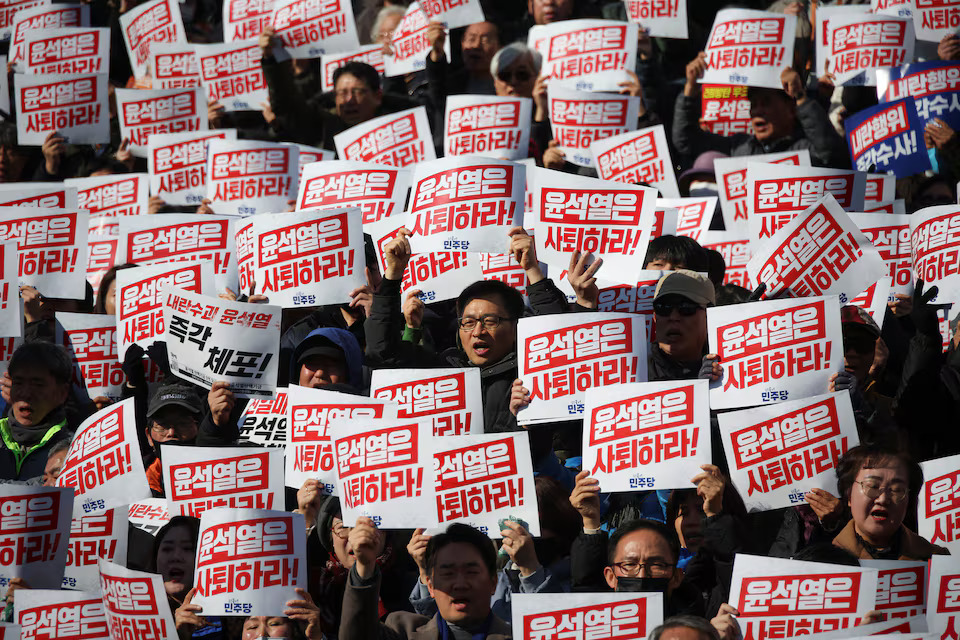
x=309 y=29
x=890 y=234
x=774 y=350
x=409 y=45
x=823 y=32
x=44 y=16
x=148 y=23
x=465 y=203
x=245 y=19
x=482 y=479
x=939 y=511
x=249 y=561
x=148 y=515
x=561 y=356
x=901 y=8
x=505 y=268
x=901 y=587
x=264 y=421
x=622 y=297
x=232 y=74
x=9 y=631
x=91 y=340
x=637 y=157
x=874 y=299
x=489 y=126
x=648 y=435
x=201 y=478
x=859 y=43
x=780 y=598
x=887 y=137
x=661 y=18
x=453 y=13
x=383 y=471
x=174 y=66
x=115 y=195
x=101 y=249
x=192 y=320
x=308 y=155
x=91 y=538
x=66 y=50
x=934 y=19
x=448 y=401
x=895 y=207
x=144 y=113
x=880 y=188
x=45 y=195
x=52 y=613
x=748 y=47
x=777 y=453
x=593 y=615
x=140 y=296
x=245 y=248
x=34 y=534
x=7 y=347
x=693 y=214
x=135 y=604
x=9 y=12
x=583 y=49
x=73 y=105
x=52 y=246
x=308 y=258
x=820 y=252
x=397 y=139
x=935 y=249
x=580 y=118
x=178 y=164
x=248 y=176
x=732 y=183
x=943 y=596
x=892 y=629
x=10 y=312
x=371 y=54
x=725 y=109
x=379 y=190
x=934 y=86
x=310 y=452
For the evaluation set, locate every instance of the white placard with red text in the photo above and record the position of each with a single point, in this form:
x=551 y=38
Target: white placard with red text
x=372 y=54
x=52 y=246
x=55 y=613
x=880 y=188
x=873 y=299
x=43 y=16
x=249 y=561
x=174 y=65
x=890 y=234
x=114 y=195
x=660 y=19
x=637 y=157
x=10 y=312
x=197 y=479
x=73 y=105
x=101 y=249
x=505 y=268
x=693 y=214
x=308 y=154
x=621 y=297
x=243 y=19
x=943 y=596
x=857 y=44
x=410 y=45
x=563 y=355
x=379 y=190
x=103 y=465
x=774 y=350
x=934 y=19
x=247 y=176
x=582 y=49
x=45 y=195
x=232 y=74
x=891 y=629
x=135 y=604
x=823 y=31
x=91 y=340
x=646 y=436
x=91 y=538
x=448 y=400
x=489 y=126
x=149 y=515
x=935 y=248
x=309 y=29
x=397 y=139
x=148 y=23
x=901 y=587
x=749 y=48
x=10 y=11
x=732 y=183
x=580 y=118
x=9 y=631
x=212 y=339
x=453 y=13
x=34 y=531
x=593 y=615
x=939 y=510
x=66 y=50
x=178 y=164
x=144 y=113
x=264 y=421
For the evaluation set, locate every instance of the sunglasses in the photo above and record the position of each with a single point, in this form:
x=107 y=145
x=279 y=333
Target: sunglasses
x=514 y=77
x=686 y=308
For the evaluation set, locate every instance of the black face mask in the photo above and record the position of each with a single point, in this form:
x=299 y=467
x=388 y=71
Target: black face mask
x=643 y=585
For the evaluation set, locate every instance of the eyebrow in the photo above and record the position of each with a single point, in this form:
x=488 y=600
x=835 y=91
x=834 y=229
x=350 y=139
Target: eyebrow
x=448 y=565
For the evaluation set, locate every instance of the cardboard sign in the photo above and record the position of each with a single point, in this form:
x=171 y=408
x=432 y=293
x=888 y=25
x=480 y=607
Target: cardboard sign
x=749 y=48
x=309 y=155
x=247 y=176
x=310 y=29
x=174 y=66
x=148 y=23
x=488 y=126
x=660 y=19
x=563 y=355
x=192 y=320
x=583 y=48
x=45 y=195
x=409 y=45
x=148 y=515
x=649 y=435
x=901 y=587
x=52 y=244
x=887 y=137
x=66 y=50
x=34 y=531
x=249 y=561
x=243 y=19
x=380 y=191
x=397 y=139
x=637 y=157
x=892 y=629
x=264 y=421
x=732 y=183
x=178 y=164
x=92 y=342
x=91 y=538
x=881 y=187
x=197 y=479
x=53 y=613
x=943 y=596
x=857 y=44
x=481 y=479
x=939 y=511
x=874 y=299
x=232 y=74
x=774 y=350
x=45 y=16
x=934 y=19
x=11 y=316
x=308 y=258
x=449 y=401
x=693 y=215
x=934 y=87
x=140 y=295
x=505 y=268
x=579 y=119
x=383 y=471
x=10 y=11
x=725 y=109
x=101 y=249
x=935 y=249
x=115 y=195
x=453 y=13
x=144 y=113
x=594 y=615
x=789 y=598
x=74 y=105
x=371 y=54
x=890 y=234
x=135 y=603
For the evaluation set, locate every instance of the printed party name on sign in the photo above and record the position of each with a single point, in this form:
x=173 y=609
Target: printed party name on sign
x=749 y=48
x=246 y=176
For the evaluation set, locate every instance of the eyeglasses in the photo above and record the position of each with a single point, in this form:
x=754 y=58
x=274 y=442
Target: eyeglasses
x=686 y=307
x=490 y=322
x=514 y=77
x=872 y=490
x=632 y=569
x=357 y=92
x=182 y=428
x=474 y=39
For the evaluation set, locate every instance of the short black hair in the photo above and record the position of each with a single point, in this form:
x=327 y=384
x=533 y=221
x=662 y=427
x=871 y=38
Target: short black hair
x=716 y=266
x=52 y=357
x=512 y=299
x=100 y=306
x=677 y=250
x=641 y=524
x=361 y=71
x=869 y=456
x=459 y=532
x=190 y=523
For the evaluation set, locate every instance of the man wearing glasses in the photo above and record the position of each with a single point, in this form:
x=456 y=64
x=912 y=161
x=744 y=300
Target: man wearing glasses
x=173 y=417
x=680 y=312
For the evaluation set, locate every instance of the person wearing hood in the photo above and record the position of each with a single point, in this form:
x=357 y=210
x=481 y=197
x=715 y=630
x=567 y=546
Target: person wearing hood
x=173 y=417
x=326 y=357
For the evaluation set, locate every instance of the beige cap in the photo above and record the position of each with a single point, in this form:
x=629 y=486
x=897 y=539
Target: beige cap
x=689 y=284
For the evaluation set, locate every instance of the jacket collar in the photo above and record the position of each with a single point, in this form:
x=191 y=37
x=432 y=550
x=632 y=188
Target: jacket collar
x=912 y=546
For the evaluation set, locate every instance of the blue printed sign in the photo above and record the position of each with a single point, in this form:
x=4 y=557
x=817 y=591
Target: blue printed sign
x=888 y=137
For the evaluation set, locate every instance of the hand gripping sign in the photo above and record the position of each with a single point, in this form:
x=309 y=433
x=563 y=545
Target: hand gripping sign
x=857 y=44
x=935 y=248
x=453 y=13
x=580 y=118
x=648 y=435
x=144 y=113
x=11 y=317
x=934 y=19
x=637 y=157
x=372 y=54
x=890 y=234
x=152 y=22
x=174 y=66
x=397 y=139
x=198 y=479
x=943 y=596
x=622 y=297
x=563 y=355
x=901 y=587
x=489 y=126
x=939 y=512
x=232 y=74
x=820 y=252
x=212 y=339
x=103 y=465
x=55 y=613
x=661 y=18
x=888 y=137
x=594 y=615
x=264 y=421
x=34 y=533
x=749 y=48
x=582 y=49
x=178 y=164
x=777 y=453
x=124 y=194
x=482 y=479
x=247 y=176
x=774 y=350
x=52 y=248
x=789 y=598
x=505 y=268
x=379 y=190
x=91 y=538
x=91 y=340
x=465 y=203
x=73 y=105
x=693 y=214
x=449 y=401
x=308 y=258
x=45 y=16
x=66 y=50
x=243 y=19
x=310 y=29
x=249 y=561
x=135 y=604
x=725 y=109
x=409 y=45
x=732 y=183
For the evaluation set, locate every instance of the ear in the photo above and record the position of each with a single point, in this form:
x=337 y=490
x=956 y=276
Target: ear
x=430 y=587
x=610 y=577
x=675 y=579
x=149 y=439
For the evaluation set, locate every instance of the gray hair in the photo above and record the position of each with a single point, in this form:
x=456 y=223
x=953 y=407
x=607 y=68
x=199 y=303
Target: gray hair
x=62 y=445
x=506 y=56
x=382 y=15
x=691 y=622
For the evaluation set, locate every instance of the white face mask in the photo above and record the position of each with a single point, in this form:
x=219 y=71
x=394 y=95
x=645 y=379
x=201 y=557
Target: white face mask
x=701 y=189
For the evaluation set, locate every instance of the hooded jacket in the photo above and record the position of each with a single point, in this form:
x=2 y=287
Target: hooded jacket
x=341 y=338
